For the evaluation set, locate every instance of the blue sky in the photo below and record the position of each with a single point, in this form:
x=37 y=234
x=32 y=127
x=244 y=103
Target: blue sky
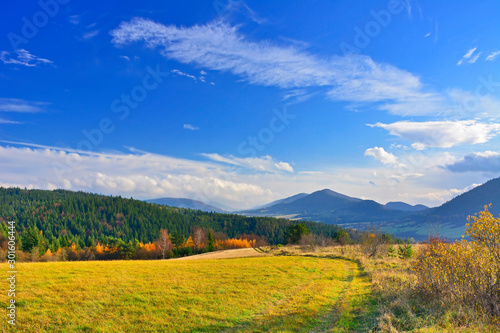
x=238 y=103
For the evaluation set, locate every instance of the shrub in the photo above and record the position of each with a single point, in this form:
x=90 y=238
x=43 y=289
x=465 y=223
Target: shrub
x=465 y=273
x=391 y=252
x=405 y=251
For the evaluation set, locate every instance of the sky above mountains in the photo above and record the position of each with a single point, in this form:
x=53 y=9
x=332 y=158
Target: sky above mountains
x=238 y=103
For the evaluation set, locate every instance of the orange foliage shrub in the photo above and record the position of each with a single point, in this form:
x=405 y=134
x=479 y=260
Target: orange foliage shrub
x=149 y=247
x=234 y=243
x=99 y=248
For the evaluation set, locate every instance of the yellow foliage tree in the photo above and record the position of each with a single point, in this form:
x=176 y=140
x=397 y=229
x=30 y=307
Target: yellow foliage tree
x=189 y=242
x=99 y=248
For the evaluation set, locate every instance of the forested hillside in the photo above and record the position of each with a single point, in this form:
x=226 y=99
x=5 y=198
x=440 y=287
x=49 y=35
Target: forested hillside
x=65 y=217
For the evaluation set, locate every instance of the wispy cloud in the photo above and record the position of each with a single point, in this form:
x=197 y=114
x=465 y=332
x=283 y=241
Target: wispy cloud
x=190 y=127
x=492 y=56
x=74 y=19
x=23 y=58
x=221 y=47
x=468 y=55
x=20 y=105
x=262 y=164
x=178 y=72
x=442 y=134
x=91 y=34
x=474 y=58
x=488 y=161
x=5 y=121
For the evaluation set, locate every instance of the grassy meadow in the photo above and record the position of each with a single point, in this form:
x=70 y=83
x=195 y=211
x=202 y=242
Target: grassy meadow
x=264 y=294
x=289 y=289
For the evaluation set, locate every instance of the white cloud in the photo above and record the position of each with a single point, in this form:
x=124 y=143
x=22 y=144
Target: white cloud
x=190 y=127
x=467 y=55
x=356 y=79
x=144 y=175
x=178 y=72
x=5 y=121
x=474 y=59
x=22 y=57
x=261 y=164
x=74 y=19
x=468 y=104
x=219 y=46
x=90 y=34
x=442 y=134
x=125 y=57
x=20 y=105
x=439 y=195
x=488 y=161
x=284 y=166
x=138 y=174
x=492 y=56
x=381 y=155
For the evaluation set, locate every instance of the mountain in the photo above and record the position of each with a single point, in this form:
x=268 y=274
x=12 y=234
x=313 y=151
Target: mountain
x=449 y=219
x=319 y=202
x=398 y=218
x=473 y=201
x=329 y=207
x=402 y=206
x=186 y=203
x=286 y=200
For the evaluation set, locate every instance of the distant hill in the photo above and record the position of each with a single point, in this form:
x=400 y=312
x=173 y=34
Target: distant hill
x=329 y=207
x=449 y=219
x=186 y=203
x=398 y=218
x=66 y=217
x=286 y=200
x=473 y=201
x=403 y=206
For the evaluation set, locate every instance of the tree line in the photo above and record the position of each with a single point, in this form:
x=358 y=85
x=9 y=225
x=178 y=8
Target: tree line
x=55 y=220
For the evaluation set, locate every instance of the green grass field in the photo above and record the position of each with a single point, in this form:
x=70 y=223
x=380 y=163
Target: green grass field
x=265 y=294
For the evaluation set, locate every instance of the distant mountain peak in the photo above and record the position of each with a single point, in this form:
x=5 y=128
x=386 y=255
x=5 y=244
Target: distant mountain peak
x=186 y=203
x=404 y=207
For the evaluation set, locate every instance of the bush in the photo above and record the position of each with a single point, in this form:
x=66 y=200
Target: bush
x=465 y=273
x=391 y=252
x=405 y=251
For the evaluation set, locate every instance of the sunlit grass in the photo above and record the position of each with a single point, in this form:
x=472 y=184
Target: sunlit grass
x=283 y=293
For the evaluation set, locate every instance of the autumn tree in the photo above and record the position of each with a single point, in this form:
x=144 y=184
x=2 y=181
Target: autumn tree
x=163 y=243
x=177 y=239
x=199 y=238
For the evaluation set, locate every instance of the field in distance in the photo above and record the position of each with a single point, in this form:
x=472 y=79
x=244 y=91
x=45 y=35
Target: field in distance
x=257 y=294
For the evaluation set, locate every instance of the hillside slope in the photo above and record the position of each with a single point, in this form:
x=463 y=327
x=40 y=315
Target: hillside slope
x=65 y=217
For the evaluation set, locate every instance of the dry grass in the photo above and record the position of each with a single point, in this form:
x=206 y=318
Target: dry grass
x=289 y=289
x=263 y=294
x=227 y=254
